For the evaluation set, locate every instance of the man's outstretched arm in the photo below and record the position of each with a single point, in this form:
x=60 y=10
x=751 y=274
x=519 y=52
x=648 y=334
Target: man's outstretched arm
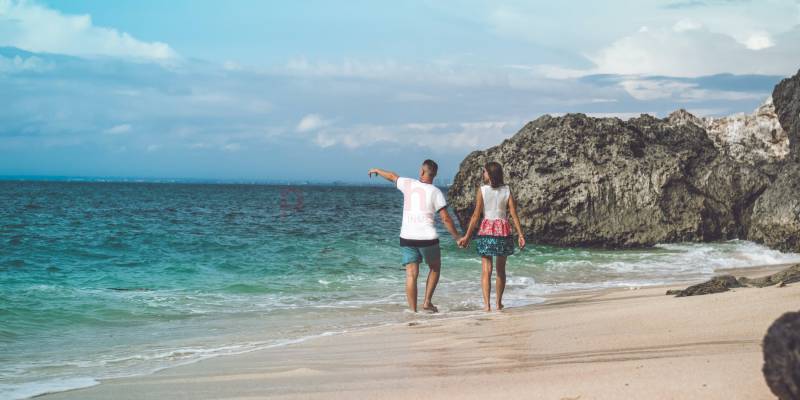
x=448 y=223
x=388 y=175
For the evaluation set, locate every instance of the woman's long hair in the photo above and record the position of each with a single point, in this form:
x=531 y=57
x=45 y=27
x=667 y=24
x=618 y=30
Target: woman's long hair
x=495 y=171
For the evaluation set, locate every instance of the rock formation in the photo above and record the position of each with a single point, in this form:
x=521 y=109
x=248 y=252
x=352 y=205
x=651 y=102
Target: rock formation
x=754 y=139
x=782 y=356
x=776 y=213
x=785 y=277
x=717 y=284
x=723 y=283
x=582 y=181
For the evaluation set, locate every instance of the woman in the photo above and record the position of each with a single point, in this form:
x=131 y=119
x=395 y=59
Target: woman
x=494 y=236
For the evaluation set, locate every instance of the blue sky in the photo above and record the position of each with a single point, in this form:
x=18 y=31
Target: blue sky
x=324 y=90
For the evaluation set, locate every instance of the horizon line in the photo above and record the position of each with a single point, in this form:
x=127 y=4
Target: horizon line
x=139 y=179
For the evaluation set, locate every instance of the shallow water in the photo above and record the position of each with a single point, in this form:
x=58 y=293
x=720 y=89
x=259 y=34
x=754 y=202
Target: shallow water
x=112 y=279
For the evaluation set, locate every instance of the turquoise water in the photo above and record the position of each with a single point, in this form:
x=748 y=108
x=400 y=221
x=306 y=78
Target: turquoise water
x=101 y=280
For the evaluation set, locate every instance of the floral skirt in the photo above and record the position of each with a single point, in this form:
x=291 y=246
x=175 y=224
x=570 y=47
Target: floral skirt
x=494 y=245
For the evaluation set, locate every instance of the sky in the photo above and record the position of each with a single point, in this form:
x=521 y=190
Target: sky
x=323 y=91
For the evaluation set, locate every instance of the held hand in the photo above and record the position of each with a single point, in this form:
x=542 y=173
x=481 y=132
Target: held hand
x=463 y=242
x=372 y=171
x=521 y=242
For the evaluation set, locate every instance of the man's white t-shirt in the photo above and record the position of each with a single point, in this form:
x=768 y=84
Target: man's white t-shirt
x=421 y=201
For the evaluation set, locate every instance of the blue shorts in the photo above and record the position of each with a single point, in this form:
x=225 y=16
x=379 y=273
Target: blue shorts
x=431 y=254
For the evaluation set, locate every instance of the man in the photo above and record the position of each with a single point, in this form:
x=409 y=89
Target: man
x=418 y=237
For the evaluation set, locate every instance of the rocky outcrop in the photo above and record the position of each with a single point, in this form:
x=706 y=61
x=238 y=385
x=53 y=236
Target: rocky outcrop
x=776 y=213
x=723 y=283
x=782 y=357
x=717 y=284
x=582 y=181
x=613 y=183
x=782 y=278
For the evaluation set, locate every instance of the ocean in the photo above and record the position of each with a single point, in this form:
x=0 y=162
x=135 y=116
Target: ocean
x=103 y=279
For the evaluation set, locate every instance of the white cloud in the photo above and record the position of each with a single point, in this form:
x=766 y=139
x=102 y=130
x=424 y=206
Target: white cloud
x=550 y=71
x=436 y=73
x=232 y=147
x=34 y=27
x=232 y=66
x=311 y=122
x=697 y=52
x=686 y=48
x=759 y=41
x=325 y=140
x=250 y=103
x=199 y=145
x=686 y=25
x=436 y=136
x=654 y=89
x=650 y=37
x=119 y=129
x=348 y=68
x=23 y=64
x=194 y=108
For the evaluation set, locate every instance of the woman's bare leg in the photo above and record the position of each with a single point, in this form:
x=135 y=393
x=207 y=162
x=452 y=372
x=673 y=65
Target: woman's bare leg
x=486 y=281
x=500 y=281
x=412 y=271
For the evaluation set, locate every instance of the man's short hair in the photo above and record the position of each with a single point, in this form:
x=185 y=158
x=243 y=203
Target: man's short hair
x=430 y=167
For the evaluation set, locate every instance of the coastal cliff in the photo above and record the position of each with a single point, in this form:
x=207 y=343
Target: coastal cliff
x=583 y=181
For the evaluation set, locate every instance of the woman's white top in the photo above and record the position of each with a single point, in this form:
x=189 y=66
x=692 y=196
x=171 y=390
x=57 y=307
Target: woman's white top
x=495 y=201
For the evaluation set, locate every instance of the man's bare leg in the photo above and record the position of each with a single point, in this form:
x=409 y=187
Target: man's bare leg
x=412 y=272
x=500 y=281
x=486 y=281
x=430 y=286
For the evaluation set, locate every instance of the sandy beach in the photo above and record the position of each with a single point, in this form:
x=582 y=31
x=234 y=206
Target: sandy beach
x=581 y=345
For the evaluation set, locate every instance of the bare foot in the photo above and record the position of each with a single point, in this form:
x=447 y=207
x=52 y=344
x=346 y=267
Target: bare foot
x=430 y=307
x=487 y=308
x=500 y=306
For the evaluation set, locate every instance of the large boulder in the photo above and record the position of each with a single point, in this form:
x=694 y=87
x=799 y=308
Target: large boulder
x=782 y=356
x=582 y=181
